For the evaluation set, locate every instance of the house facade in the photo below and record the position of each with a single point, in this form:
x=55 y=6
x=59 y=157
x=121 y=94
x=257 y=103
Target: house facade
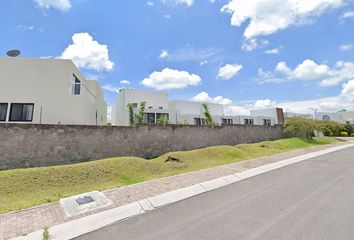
x=177 y=111
x=343 y=117
x=48 y=91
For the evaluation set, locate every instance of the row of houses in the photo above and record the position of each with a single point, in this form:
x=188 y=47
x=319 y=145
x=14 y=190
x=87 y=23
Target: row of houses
x=53 y=91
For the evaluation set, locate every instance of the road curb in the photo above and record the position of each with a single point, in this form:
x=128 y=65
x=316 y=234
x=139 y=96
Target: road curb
x=75 y=228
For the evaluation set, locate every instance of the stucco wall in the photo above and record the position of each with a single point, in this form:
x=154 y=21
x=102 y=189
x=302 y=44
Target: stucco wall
x=42 y=145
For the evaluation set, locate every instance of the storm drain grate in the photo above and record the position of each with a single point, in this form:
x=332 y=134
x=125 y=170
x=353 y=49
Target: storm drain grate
x=84 y=200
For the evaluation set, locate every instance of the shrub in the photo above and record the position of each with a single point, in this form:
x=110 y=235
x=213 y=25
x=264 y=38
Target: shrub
x=300 y=127
x=163 y=121
x=349 y=129
x=344 y=134
x=329 y=128
x=45 y=234
x=352 y=135
x=131 y=114
x=139 y=118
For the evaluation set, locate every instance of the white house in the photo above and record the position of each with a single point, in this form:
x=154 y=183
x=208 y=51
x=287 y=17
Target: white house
x=48 y=91
x=177 y=111
x=264 y=116
x=344 y=117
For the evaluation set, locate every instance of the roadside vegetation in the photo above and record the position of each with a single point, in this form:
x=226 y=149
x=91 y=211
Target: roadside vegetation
x=306 y=128
x=24 y=188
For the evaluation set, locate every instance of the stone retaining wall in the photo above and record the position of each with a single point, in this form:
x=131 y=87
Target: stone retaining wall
x=25 y=145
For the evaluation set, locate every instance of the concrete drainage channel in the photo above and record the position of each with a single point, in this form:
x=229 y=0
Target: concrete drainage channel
x=99 y=220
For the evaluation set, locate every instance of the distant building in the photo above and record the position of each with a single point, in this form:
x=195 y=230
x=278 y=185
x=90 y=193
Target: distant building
x=48 y=91
x=292 y=115
x=177 y=111
x=276 y=114
x=343 y=117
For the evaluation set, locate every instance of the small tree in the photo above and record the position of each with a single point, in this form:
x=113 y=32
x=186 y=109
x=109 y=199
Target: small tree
x=163 y=120
x=139 y=118
x=300 y=127
x=208 y=119
x=45 y=234
x=131 y=114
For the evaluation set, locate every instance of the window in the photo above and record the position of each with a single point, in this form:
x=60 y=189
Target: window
x=199 y=121
x=267 y=122
x=160 y=107
x=3 y=112
x=326 y=118
x=135 y=105
x=21 y=112
x=149 y=118
x=76 y=86
x=150 y=107
x=249 y=121
x=227 y=121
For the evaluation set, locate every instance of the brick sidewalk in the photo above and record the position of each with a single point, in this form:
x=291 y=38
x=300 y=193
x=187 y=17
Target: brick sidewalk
x=22 y=222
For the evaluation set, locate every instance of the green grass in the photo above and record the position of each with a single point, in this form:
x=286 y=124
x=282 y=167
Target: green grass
x=24 y=188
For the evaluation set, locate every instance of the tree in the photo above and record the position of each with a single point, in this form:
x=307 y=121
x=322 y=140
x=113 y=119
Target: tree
x=131 y=114
x=163 y=120
x=208 y=119
x=139 y=118
x=300 y=127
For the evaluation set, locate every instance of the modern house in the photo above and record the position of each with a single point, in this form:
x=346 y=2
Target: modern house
x=344 y=117
x=48 y=91
x=269 y=116
x=179 y=112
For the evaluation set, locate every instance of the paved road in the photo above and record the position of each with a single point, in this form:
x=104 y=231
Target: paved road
x=308 y=200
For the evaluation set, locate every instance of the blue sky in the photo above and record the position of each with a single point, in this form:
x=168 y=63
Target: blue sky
x=296 y=54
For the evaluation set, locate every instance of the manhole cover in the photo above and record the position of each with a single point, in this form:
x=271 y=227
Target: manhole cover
x=84 y=200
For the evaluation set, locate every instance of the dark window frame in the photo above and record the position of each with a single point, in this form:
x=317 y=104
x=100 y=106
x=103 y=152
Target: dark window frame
x=23 y=104
x=7 y=109
x=77 y=85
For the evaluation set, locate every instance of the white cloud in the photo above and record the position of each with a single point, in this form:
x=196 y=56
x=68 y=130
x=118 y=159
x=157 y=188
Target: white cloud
x=85 y=52
x=349 y=14
x=344 y=100
x=164 y=54
x=194 y=54
x=110 y=88
x=171 y=79
x=149 y=3
x=266 y=17
x=264 y=103
x=205 y=98
x=229 y=70
x=274 y=51
x=346 y=47
x=62 y=5
x=187 y=3
x=309 y=70
x=125 y=82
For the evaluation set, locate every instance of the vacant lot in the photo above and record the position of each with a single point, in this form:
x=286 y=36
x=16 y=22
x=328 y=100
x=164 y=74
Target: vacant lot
x=23 y=188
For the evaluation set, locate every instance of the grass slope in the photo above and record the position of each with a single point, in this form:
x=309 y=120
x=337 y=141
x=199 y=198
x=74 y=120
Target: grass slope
x=23 y=188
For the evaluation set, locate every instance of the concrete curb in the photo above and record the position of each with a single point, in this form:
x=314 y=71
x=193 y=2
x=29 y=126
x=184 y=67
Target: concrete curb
x=99 y=220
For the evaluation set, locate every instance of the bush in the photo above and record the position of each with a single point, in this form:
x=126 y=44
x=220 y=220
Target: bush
x=300 y=127
x=349 y=129
x=329 y=128
x=344 y=134
x=352 y=135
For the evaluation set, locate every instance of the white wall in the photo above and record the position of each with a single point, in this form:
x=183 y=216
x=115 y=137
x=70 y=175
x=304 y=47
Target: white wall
x=47 y=84
x=340 y=117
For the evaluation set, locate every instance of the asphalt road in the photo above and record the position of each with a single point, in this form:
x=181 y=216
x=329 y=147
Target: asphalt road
x=313 y=199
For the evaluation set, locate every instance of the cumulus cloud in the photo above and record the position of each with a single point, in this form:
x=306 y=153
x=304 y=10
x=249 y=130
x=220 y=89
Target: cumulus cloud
x=228 y=71
x=86 y=52
x=164 y=54
x=346 y=47
x=205 y=98
x=264 y=103
x=266 y=17
x=187 y=3
x=171 y=79
x=309 y=70
x=62 y=5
